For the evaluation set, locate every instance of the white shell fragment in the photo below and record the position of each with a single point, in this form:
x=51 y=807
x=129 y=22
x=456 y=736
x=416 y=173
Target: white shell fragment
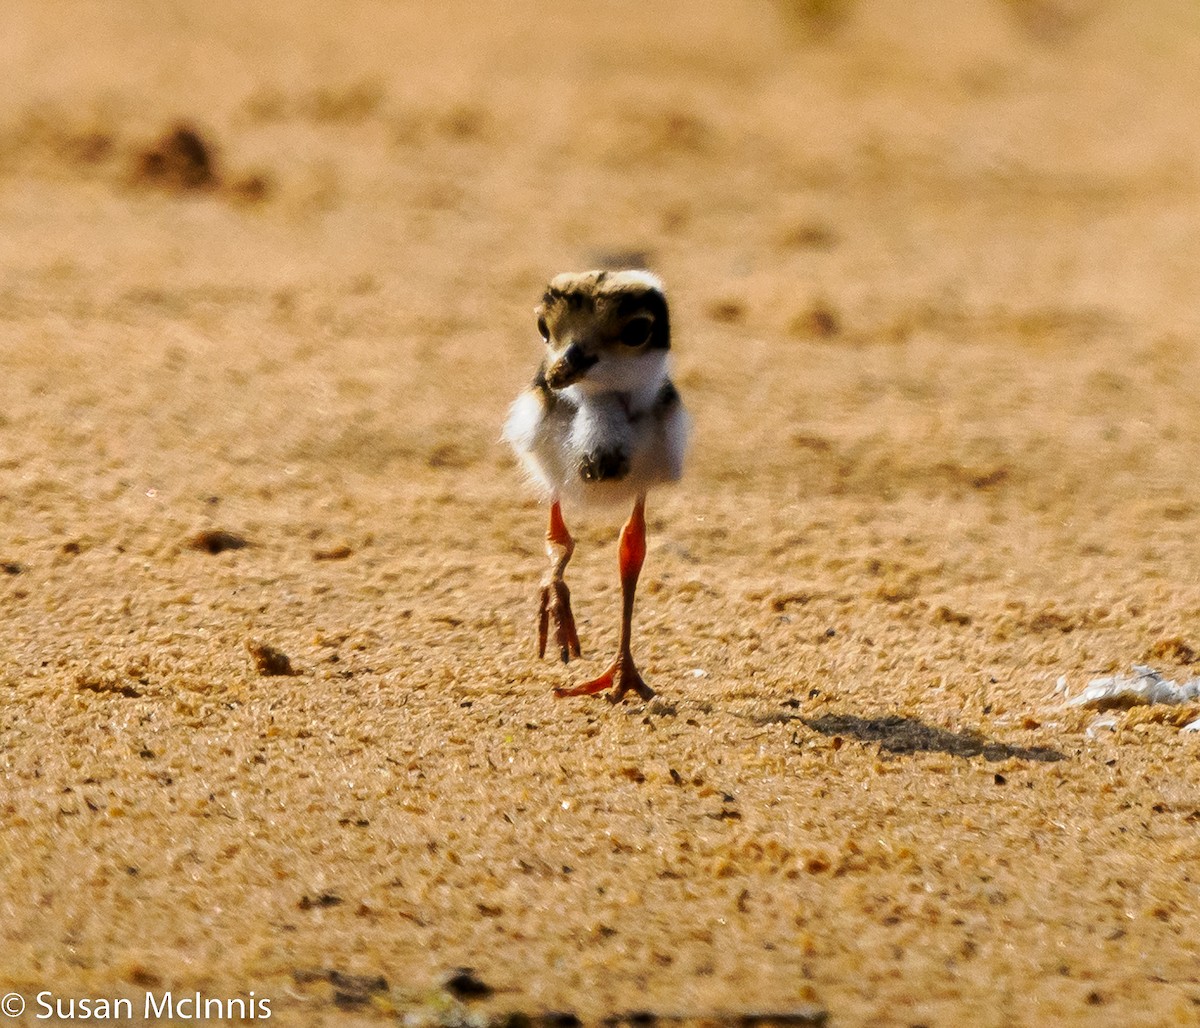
x=1101 y=724
x=1145 y=688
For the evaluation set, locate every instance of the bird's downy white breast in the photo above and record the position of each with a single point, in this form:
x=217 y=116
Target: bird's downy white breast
x=552 y=439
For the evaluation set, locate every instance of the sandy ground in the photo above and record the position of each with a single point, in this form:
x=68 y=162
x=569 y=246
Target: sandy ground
x=935 y=271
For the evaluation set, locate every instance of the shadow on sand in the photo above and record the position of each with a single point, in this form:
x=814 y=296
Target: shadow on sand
x=909 y=735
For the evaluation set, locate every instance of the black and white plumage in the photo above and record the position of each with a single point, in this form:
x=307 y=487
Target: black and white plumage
x=601 y=424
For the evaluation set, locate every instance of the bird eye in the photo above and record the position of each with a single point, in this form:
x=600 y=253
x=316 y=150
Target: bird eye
x=543 y=330
x=636 y=332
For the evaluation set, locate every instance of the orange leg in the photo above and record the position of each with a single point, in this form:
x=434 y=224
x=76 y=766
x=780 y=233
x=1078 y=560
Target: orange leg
x=622 y=674
x=555 y=602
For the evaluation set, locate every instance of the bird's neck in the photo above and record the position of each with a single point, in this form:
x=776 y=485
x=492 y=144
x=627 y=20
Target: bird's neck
x=634 y=381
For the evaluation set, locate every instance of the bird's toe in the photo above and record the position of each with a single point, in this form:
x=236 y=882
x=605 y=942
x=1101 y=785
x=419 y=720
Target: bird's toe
x=555 y=608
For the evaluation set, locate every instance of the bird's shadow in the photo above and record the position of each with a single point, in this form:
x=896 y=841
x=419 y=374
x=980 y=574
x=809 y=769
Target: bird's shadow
x=903 y=735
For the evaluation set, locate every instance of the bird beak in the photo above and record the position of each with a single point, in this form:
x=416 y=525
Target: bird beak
x=569 y=368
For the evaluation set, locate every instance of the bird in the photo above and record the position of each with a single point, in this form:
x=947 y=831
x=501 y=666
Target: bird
x=601 y=424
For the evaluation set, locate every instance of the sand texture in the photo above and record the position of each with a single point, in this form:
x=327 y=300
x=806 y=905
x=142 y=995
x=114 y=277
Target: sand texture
x=270 y=715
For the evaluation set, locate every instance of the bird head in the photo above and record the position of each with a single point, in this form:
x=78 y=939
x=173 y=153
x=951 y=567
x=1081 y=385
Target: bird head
x=604 y=330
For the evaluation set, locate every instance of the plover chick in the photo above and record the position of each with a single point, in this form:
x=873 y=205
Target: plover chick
x=601 y=425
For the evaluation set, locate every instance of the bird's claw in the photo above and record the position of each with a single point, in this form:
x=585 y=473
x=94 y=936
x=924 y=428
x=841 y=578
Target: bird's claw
x=555 y=605
x=622 y=677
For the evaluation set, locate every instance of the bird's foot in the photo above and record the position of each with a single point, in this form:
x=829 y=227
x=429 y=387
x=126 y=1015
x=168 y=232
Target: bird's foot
x=555 y=606
x=622 y=677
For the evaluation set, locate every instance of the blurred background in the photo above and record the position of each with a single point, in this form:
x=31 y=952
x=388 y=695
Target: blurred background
x=393 y=182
